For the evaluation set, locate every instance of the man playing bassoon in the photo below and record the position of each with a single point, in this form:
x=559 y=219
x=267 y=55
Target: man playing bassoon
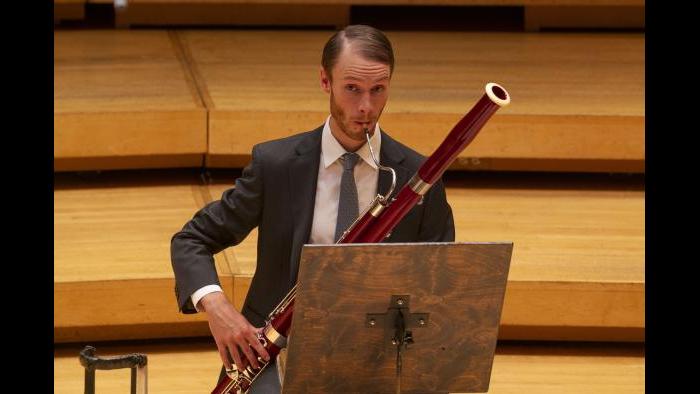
x=303 y=189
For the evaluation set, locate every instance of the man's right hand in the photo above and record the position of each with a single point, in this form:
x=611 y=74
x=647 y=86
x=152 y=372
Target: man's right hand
x=231 y=331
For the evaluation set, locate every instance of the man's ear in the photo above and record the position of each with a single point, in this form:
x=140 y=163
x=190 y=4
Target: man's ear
x=325 y=81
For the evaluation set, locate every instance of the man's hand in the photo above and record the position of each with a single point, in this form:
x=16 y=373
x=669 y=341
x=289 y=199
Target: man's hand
x=231 y=331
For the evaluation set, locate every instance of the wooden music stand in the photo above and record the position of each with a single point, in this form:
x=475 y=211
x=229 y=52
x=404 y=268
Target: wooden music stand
x=358 y=304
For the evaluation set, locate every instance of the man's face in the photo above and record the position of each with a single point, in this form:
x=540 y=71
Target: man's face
x=359 y=89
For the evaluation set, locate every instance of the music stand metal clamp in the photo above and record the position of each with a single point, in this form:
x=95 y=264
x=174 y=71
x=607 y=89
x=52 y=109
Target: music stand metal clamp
x=398 y=318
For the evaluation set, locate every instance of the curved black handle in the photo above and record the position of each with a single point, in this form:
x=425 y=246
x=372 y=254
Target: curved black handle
x=90 y=361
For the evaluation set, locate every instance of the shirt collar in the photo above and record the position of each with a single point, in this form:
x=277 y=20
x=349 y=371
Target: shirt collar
x=331 y=150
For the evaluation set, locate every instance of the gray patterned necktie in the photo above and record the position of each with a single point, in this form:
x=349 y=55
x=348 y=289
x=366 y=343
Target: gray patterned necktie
x=348 y=209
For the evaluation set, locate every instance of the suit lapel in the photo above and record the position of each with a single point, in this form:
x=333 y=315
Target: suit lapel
x=303 y=175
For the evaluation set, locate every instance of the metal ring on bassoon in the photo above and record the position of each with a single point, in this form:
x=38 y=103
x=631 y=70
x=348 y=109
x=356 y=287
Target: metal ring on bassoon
x=419 y=186
x=275 y=337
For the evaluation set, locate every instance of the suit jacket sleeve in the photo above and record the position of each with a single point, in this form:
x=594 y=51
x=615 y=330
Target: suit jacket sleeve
x=437 y=224
x=218 y=225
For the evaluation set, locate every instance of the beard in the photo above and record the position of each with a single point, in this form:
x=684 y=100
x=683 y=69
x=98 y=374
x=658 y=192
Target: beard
x=347 y=125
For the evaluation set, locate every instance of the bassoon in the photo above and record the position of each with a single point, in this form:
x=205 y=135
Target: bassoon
x=375 y=224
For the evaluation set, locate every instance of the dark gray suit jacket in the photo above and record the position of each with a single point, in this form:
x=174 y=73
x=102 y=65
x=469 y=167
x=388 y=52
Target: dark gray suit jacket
x=276 y=192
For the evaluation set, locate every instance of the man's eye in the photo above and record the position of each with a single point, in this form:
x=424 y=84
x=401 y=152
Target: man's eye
x=378 y=89
x=351 y=88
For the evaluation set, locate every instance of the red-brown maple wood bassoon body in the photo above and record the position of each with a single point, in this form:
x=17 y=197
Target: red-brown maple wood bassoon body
x=376 y=223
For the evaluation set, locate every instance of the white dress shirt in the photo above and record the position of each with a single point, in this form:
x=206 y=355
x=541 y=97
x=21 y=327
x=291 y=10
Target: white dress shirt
x=330 y=171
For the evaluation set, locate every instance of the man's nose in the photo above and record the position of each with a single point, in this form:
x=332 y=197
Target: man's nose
x=365 y=105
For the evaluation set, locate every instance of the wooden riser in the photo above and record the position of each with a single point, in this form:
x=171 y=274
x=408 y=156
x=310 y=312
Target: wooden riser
x=508 y=142
x=560 y=311
x=124 y=97
x=134 y=94
x=68 y=10
x=124 y=309
x=577 y=271
x=532 y=311
x=113 y=278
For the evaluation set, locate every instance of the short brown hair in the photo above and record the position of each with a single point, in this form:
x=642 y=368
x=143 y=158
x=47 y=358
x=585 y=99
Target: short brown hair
x=373 y=45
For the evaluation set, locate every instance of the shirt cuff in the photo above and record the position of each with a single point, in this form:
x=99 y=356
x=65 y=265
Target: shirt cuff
x=197 y=295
